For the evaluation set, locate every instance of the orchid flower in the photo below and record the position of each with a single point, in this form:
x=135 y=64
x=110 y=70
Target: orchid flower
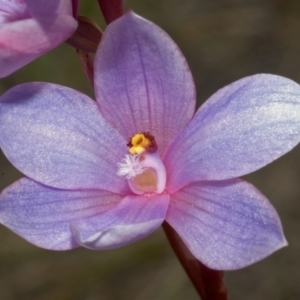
x=107 y=173
x=30 y=28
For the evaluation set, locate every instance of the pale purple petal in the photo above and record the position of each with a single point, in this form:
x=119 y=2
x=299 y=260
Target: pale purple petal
x=227 y=225
x=12 y=10
x=142 y=81
x=240 y=129
x=41 y=8
x=42 y=215
x=132 y=219
x=27 y=33
x=57 y=136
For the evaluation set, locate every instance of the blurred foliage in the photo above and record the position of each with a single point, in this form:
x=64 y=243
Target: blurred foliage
x=223 y=41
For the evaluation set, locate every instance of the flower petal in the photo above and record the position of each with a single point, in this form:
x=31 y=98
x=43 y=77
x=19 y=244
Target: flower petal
x=57 y=136
x=142 y=81
x=22 y=39
x=11 y=10
x=240 y=129
x=42 y=8
x=42 y=215
x=132 y=219
x=227 y=225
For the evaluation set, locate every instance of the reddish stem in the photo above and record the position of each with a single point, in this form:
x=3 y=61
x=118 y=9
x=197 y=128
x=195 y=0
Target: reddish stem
x=75 y=4
x=111 y=9
x=208 y=283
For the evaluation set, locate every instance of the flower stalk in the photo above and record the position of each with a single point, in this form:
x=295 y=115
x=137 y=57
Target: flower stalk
x=208 y=283
x=111 y=9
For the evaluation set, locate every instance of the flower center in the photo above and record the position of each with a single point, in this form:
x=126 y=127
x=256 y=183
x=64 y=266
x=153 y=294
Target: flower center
x=143 y=168
x=146 y=181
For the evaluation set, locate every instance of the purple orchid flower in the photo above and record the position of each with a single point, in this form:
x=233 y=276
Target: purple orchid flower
x=87 y=185
x=30 y=28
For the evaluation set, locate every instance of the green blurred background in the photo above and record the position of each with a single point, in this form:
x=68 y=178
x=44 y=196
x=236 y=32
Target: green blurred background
x=223 y=40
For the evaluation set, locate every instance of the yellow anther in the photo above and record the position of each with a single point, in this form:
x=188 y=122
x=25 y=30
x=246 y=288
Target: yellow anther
x=141 y=142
